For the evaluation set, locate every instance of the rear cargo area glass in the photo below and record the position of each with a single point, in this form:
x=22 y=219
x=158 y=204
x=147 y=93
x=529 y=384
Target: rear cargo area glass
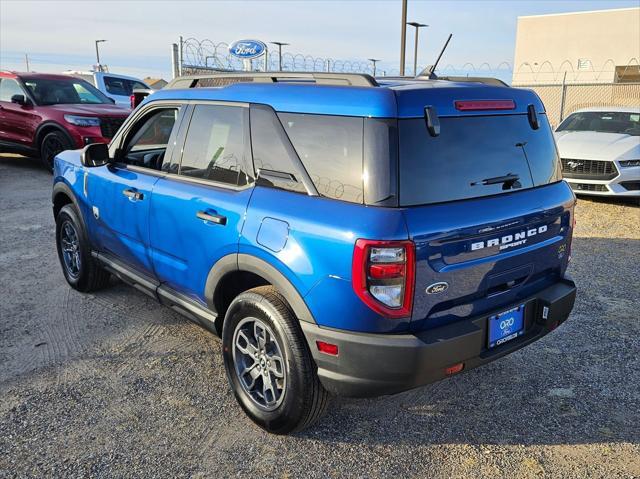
x=469 y=150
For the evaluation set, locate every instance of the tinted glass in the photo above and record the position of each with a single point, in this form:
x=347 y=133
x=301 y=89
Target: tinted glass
x=216 y=147
x=270 y=152
x=71 y=91
x=469 y=150
x=8 y=88
x=380 y=162
x=121 y=86
x=603 y=121
x=148 y=144
x=330 y=148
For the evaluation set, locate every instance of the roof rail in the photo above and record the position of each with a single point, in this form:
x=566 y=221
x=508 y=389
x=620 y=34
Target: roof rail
x=345 y=79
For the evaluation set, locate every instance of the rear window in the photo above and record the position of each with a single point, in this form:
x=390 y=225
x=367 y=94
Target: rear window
x=330 y=148
x=470 y=156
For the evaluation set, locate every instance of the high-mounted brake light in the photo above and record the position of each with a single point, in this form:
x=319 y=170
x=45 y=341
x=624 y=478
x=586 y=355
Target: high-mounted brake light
x=383 y=276
x=132 y=101
x=473 y=105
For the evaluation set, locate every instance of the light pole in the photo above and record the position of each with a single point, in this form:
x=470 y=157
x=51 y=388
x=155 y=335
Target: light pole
x=98 y=53
x=403 y=36
x=374 y=61
x=415 y=51
x=280 y=45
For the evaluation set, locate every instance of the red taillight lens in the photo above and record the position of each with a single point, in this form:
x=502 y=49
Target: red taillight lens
x=383 y=276
x=132 y=101
x=455 y=369
x=471 y=105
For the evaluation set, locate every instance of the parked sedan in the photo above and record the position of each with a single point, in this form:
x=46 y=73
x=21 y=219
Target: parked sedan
x=600 y=151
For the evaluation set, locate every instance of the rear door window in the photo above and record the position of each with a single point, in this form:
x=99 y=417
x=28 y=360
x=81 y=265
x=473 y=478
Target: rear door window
x=217 y=144
x=470 y=155
x=330 y=148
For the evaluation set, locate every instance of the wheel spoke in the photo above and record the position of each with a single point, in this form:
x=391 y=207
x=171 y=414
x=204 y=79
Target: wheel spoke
x=244 y=345
x=260 y=334
x=267 y=387
x=253 y=373
x=276 y=366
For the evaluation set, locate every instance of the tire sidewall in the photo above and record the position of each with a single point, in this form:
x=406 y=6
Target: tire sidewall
x=69 y=214
x=290 y=412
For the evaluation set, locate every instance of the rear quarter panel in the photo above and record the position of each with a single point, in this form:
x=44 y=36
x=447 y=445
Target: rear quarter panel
x=318 y=251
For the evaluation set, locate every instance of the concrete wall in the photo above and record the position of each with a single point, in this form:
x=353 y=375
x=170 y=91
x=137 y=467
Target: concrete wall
x=549 y=45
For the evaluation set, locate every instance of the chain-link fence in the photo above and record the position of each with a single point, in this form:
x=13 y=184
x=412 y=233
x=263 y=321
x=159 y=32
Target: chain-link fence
x=560 y=100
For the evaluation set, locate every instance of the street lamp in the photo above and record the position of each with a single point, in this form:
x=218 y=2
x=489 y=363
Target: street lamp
x=415 y=52
x=280 y=45
x=374 y=61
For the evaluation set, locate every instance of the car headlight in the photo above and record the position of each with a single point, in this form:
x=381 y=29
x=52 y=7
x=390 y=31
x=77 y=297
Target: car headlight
x=82 y=120
x=626 y=163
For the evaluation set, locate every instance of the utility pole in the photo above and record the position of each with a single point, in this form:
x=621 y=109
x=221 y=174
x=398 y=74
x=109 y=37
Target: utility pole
x=415 y=48
x=280 y=45
x=26 y=59
x=374 y=61
x=403 y=36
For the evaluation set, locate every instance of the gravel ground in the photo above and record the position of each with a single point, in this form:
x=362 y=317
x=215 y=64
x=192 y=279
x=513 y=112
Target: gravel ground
x=115 y=385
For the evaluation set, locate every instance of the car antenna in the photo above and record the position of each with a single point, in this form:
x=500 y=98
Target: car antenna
x=430 y=71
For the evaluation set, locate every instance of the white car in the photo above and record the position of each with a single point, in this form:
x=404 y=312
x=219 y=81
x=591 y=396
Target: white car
x=117 y=87
x=600 y=151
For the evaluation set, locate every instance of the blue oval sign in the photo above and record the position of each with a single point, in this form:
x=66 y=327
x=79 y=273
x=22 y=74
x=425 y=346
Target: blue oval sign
x=247 y=49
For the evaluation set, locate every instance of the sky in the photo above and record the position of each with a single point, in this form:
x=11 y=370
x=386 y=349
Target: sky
x=59 y=35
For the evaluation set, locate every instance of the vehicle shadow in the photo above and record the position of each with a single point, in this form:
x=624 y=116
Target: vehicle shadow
x=22 y=162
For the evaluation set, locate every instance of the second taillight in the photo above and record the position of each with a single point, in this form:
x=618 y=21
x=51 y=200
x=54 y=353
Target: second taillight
x=383 y=276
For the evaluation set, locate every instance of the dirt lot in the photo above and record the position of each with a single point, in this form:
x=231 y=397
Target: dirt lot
x=115 y=385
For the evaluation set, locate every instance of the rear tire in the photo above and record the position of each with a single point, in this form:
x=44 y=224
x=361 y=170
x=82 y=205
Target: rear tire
x=80 y=269
x=52 y=144
x=279 y=390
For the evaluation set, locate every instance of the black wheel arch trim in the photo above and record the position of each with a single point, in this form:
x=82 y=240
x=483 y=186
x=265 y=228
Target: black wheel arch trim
x=62 y=188
x=244 y=262
x=39 y=136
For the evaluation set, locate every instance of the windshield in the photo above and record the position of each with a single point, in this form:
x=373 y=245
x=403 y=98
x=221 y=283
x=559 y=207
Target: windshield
x=71 y=91
x=626 y=123
x=474 y=156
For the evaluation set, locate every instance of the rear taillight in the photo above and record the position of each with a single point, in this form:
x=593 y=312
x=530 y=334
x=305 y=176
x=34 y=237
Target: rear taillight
x=383 y=276
x=132 y=101
x=472 y=105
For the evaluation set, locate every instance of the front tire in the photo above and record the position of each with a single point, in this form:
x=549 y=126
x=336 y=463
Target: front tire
x=268 y=363
x=81 y=271
x=52 y=144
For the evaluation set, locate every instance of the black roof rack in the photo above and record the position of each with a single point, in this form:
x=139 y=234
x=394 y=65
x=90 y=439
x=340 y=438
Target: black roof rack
x=319 y=78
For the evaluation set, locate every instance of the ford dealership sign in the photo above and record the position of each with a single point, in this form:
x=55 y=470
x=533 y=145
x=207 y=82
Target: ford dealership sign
x=247 y=49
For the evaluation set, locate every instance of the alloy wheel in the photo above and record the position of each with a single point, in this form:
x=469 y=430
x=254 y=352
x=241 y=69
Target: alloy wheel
x=259 y=363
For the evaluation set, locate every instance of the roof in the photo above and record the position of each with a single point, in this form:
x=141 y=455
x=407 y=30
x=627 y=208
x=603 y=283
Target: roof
x=50 y=76
x=622 y=109
x=398 y=99
x=584 y=12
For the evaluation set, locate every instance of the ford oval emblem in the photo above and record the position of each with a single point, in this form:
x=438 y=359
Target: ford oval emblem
x=247 y=49
x=436 y=288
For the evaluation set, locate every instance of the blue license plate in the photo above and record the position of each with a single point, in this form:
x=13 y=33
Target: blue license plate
x=506 y=326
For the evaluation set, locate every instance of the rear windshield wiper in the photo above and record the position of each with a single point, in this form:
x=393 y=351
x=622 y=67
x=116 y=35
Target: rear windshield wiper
x=508 y=181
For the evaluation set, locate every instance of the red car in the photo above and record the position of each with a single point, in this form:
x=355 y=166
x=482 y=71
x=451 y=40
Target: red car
x=43 y=114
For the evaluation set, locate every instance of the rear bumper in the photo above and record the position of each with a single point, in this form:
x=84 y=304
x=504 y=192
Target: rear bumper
x=379 y=364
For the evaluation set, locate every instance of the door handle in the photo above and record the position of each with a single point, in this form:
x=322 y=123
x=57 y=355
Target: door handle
x=213 y=218
x=133 y=195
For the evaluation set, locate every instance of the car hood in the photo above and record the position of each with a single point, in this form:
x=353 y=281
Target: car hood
x=593 y=145
x=95 y=110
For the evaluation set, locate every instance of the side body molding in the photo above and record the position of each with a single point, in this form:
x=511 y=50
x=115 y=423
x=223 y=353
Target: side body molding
x=244 y=262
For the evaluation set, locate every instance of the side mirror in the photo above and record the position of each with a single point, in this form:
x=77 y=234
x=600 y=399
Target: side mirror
x=95 y=154
x=19 y=99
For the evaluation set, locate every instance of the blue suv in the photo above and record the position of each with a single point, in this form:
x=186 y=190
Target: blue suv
x=342 y=235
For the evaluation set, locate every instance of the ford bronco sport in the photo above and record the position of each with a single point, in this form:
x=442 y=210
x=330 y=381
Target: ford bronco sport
x=342 y=236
